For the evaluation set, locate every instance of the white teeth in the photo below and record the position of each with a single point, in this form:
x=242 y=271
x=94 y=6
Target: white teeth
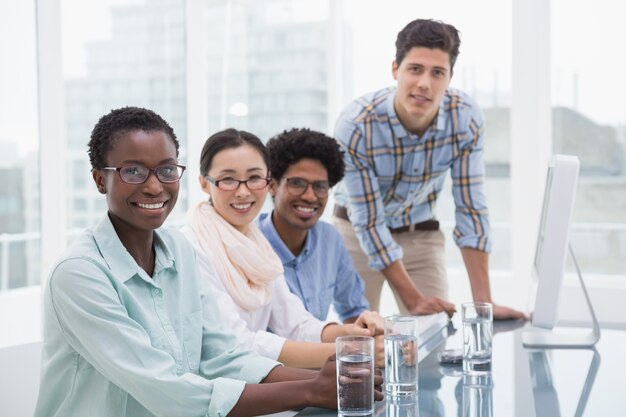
x=305 y=209
x=242 y=206
x=151 y=206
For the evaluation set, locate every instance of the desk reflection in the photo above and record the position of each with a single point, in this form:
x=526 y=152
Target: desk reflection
x=545 y=393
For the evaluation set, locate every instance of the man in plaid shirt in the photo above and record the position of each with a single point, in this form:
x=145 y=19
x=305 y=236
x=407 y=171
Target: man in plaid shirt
x=399 y=145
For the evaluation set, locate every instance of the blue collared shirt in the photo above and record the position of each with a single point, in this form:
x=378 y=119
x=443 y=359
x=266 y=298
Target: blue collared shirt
x=118 y=342
x=393 y=177
x=323 y=273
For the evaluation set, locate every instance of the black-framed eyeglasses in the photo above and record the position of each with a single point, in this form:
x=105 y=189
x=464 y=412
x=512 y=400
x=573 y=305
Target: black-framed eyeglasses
x=231 y=184
x=298 y=186
x=138 y=174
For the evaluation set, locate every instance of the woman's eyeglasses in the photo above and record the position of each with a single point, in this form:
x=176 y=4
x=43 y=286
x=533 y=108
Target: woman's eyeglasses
x=231 y=184
x=138 y=174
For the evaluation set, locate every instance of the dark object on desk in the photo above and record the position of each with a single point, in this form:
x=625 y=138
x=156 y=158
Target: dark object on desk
x=451 y=357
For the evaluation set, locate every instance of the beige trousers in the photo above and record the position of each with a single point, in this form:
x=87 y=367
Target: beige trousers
x=424 y=260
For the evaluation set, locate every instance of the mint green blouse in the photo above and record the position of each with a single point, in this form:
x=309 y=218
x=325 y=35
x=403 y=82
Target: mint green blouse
x=118 y=342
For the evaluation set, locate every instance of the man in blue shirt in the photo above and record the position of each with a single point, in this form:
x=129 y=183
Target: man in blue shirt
x=400 y=143
x=304 y=165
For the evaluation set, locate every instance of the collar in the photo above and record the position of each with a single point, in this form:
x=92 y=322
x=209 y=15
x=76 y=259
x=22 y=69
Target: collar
x=269 y=230
x=398 y=129
x=119 y=260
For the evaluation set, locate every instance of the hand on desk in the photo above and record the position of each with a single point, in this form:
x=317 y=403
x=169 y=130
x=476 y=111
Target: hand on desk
x=431 y=305
x=506 y=313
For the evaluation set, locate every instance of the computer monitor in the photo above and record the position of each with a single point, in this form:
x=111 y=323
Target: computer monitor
x=550 y=255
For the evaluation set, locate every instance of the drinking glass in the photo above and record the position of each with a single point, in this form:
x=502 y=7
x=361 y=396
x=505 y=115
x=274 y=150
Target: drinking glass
x=401 y=355
x=355 y=375
x=477 y=337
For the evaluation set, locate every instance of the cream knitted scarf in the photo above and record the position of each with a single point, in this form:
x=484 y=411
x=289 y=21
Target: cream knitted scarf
x=245 y=263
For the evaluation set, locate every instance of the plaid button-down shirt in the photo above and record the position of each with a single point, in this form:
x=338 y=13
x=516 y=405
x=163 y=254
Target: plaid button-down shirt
x=393 y=177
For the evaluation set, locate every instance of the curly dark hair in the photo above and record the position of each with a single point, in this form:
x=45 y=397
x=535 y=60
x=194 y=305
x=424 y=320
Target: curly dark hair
x=431 y=34
x=117 y=123
x=290 y=146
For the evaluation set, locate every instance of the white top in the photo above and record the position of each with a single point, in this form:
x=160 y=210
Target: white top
x=265 y=329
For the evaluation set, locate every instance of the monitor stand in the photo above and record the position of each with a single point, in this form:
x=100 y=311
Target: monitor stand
x=561 y=338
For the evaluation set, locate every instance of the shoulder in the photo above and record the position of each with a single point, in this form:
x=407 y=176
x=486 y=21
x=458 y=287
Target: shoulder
x=326 y=230
x=464 y=105
x=176 y=240
x=367 y=107
x=81 y=262
x=327 y=235
x=264 y=222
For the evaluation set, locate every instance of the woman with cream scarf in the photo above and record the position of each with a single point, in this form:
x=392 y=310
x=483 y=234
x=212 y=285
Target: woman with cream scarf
x=245 y=274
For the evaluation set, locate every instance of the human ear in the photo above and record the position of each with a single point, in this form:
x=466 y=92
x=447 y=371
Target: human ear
x=204 y=184
x=98 y=178
x=272 y=187
x=394 y=69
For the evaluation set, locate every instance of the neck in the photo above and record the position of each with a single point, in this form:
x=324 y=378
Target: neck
x=292 y=237
x=139 y=243
x=415 y=125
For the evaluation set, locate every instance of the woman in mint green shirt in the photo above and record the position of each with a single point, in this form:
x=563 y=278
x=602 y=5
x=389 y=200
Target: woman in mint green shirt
x=129 y=328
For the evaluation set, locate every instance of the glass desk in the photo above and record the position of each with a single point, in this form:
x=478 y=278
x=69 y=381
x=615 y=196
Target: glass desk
x=524 y=382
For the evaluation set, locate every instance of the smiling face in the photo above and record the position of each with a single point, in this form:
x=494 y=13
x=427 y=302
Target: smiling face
x=299 y=212
x=238 y=207
x=138 y=207
x=422 y=79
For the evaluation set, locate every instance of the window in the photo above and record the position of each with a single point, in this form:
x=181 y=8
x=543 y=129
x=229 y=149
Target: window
x=131 y=53
x=589 y=121
x=19 y=148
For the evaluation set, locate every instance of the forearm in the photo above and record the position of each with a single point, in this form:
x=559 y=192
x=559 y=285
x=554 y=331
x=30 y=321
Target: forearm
x=399 y=279
x=306 y=354
x=477 y=266
x=333 y=331
x=259 y=399
x=285 y=373
x=288 y=389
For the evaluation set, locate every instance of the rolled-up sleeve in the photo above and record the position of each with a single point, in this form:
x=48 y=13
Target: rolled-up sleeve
x=468 y=173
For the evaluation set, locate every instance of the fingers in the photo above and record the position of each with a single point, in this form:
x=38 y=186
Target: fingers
x=372 y=321
x=433 y=305
x=379 y=349
x=506 y=313
x=378 y=385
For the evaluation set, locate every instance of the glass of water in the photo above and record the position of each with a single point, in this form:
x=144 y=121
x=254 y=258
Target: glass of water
x=355 y=375
x=477 y=337
x=401 y=355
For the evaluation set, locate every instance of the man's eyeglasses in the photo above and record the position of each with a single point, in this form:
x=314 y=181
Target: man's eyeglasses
x=138 y=174
x=297 y=186
x=231 y=184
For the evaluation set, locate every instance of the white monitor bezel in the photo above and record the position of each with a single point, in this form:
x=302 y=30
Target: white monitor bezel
x=553 y=238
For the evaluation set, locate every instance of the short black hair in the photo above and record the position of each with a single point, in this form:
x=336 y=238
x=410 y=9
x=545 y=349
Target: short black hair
x=291 y=146
x=430 y=34
x=117 y=123
x=226 y=139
